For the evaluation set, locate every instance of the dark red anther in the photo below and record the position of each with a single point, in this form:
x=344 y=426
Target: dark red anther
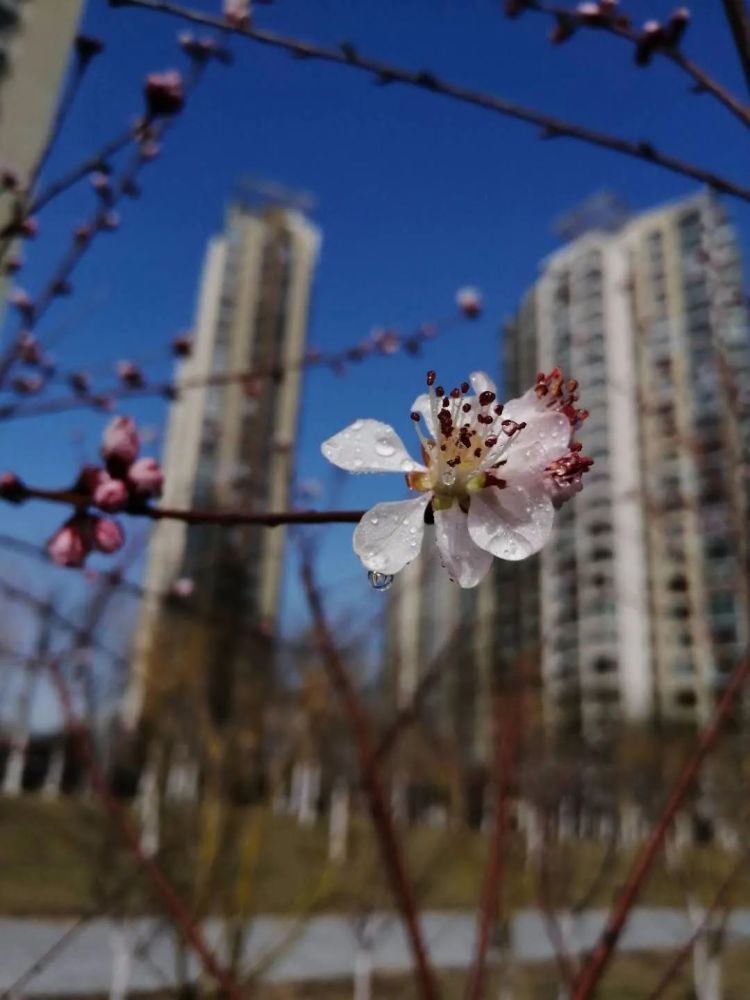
x=431 y=376
x=415 y=416
x=465 y=387
x=446 y=402
x=455 y=393
x=490 y=442
x=499 y=409
x=466 y=407
x=486 y=397
x=440 y=391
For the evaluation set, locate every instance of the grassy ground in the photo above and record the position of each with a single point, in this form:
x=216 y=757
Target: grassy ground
x=60 y=859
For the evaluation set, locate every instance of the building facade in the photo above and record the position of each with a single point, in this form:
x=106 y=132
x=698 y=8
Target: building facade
x=229 y=445
x=36 y=37
x=642 y=591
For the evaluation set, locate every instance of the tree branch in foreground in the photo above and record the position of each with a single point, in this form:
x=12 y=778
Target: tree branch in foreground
x=386 y=73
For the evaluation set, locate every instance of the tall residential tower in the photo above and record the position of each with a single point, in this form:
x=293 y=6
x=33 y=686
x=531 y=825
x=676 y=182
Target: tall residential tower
x=643 y=587
x=229 y=445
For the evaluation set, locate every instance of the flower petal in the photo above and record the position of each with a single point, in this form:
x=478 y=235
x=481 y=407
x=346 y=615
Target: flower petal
x=369 y=446
x=511 y=523
x=545 y=438
x=466 y=563
x=481 y=382
x=423 y=405
x=390 y=534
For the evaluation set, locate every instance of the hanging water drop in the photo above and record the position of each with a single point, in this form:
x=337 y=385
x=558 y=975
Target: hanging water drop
x=379 y=581
x=448 y=477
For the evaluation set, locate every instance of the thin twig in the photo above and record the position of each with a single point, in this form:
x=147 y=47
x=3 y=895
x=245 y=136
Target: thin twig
x=739 y=22
x=373 y=783
x=681 y=956
x=387 y=73
x=704 y=82
x=506 y=732
x=161 y=885
x=268 y=519
x=602 y=954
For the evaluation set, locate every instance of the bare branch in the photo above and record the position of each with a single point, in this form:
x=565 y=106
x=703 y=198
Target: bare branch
x=385 y=73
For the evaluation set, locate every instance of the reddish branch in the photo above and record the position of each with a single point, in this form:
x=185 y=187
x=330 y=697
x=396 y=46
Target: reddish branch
x=686 y=950
x=618 y=26
x=161 y=885
x=371 y=778
x=387 y=73
x=269 y=519
x=602 y=954
x=506 y=733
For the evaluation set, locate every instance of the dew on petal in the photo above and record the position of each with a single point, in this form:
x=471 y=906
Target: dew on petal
x=449 y=477
x=379 y=581
x=384 y=448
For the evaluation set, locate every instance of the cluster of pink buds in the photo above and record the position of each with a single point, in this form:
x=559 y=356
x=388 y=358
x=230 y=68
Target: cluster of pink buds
x=126 y=481
x=655 y=35
x=164 y=93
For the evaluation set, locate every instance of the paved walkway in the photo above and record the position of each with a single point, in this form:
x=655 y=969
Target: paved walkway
x=322 y=948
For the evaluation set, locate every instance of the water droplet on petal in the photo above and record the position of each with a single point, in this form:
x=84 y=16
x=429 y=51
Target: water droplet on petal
x=373 y=520
x=449 y=477
x=384 y=448
x=379 y=581
x=406 y=465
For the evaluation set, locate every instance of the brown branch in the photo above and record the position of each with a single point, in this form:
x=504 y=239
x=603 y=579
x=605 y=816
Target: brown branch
x=686 y=950
x=704 y=82
x=386 y=73
x=161 y=885
x=506 y=734
x=268 y=519
x=604 y=950
x=739 y=22
x=371 y=778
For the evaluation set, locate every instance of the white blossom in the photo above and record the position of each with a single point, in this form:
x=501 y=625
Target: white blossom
x=490 y=477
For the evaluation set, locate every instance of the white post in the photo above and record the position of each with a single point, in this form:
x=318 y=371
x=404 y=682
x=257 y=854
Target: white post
x=53 y=778
x=363 y=972
x=309 y=788
x=148 y=811
x=13 y=777
x=338 y=822
x=121 y=962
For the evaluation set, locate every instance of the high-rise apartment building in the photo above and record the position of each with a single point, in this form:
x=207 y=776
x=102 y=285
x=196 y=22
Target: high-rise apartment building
x=229 y=446
x=35 y=44
x=642 y=590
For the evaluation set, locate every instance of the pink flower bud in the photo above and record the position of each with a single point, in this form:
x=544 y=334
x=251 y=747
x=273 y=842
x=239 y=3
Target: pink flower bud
x=26 y=385
x=101 y=184
x=108 y=536
x=129 y=374
x=10 y=179
x=28 y=348
x=146 y=478
x=110 y=222
x=469 y=301
x=79 y=383
x=12 y=488
x=82 y=234
x=88 y=46
x=165 y=94
x=22 y=302
x=237 y=13
x=110 y=494
x=121 y=442
x=182 y=346
x=184 y=587
x=71 y=543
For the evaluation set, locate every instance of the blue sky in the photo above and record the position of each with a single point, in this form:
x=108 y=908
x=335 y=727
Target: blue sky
x=416 y=196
